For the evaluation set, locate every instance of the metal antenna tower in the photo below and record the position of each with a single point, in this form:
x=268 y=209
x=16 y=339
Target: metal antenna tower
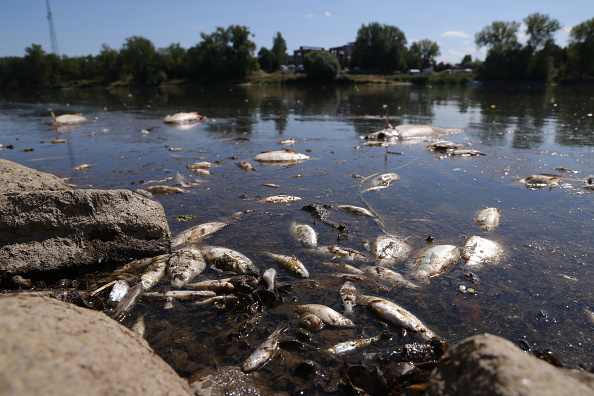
x=53 y=37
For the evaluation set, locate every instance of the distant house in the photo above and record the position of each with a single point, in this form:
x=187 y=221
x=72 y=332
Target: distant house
x=343 y=54
x=298 y=55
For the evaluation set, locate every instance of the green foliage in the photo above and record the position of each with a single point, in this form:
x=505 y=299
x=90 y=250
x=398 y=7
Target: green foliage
x=379 y=48
x=498 y=35
x=321 y=66
x=139 y=58
x=37 y=67
x=540 y=29
x=279 y=50
x=422 y=54
x=581 y=49
x=267 y=60
x=226 y=54
x=108 y=62
x=173 y=61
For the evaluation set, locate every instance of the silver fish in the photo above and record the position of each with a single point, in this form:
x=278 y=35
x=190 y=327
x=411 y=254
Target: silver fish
x=432 y=261
x=281 y=199
x=197 y=233
x=68 y=119
x=326 y=314
x=184 y=265
x=269 y=277
x=382 y=181
x=182 y=294
x=200 y=165
x=154 y=273
x=348 y=295
x=82 y=167
x=396 y=315
x=118 y=291
x=224 y=299
x=128 y=302
x=478 y=250
x=291 y=264
x=488 y=219
x=201 y=172
x=392 y=278
x=356 y=210
x=540 y=181
x=264 y=352
x=281 y=156
x=246 y=166
x=311 y=322
x=389 y=249
x=343 y=253
x=344 y=267
x=349 y=346
x=443 y=145
x=164 y=190
x=467 y=153
x=139 y=326
x=229 y=260
x=182 y=118
x=305 y=234
x=216 y=285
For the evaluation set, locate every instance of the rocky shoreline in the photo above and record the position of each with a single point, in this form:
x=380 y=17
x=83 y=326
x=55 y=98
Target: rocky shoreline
x=50 y=346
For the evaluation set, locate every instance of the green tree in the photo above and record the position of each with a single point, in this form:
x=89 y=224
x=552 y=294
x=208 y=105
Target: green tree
x=37 y=69
x=414 y=58
x=226 y=54
x=581 y=49
x=540 y=29
x=108 y=62
x=139 y=59
x=279 y=49
x=321 y=66
x=379 y=48
x=267 y=60
x=498 y=34
x=429 y=51
x=173 y=60
x=506 y=60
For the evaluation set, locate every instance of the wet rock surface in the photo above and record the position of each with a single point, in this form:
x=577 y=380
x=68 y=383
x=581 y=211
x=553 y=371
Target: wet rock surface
x=51 y=347
x=489 y=365
x=45 y=225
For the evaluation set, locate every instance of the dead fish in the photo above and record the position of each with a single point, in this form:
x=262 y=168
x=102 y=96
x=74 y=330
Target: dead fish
x=407 y=131
x=466 y=153
x=305 y=234
x=68 y=119
x=184 y=265
x=128 y=302
x=175 y=149
x=432 y=261
x=388 y=249
x=182 y=118
x=393 y=278
x=139 y=326
x=488 y=219
x=311 y=322
x=443 y=145
x=342 y=253
x=201 y=172
x=269 y=277
x=59 y=141
x=291 y=264
x=271 y=185
x=282 y=199
x=281 y=156
x=224 y=299
x=356 y=210
x=264 y=352
x=82 y=167
x=344 y=267
x=200 y=165
x=197 y=233
x=229 y=260
x=352 y=345
x=246 y=166
x=326 y=314
x=288 y=142
x=164 y=190
x=216 y=285
x=478 y=250
x=154 y=273
x=396 y=315
x=157 y=181
x=382 y=181
x=140 y=265
x=182 y=294
x=118 y=291
x=348 y=295
x=540 y=181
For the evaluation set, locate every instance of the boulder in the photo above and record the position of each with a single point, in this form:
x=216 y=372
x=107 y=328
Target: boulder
x=49 y=347
x=15 y=177
x=489 y=365
x=82 y=229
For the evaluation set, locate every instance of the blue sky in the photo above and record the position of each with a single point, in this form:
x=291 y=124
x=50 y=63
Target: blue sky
x=82 y=26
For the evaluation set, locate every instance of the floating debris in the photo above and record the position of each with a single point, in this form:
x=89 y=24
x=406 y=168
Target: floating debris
x=407 y=131
x=288 y=142
x=118 y=291
x=443 y=145
x=68 y=119
x=282 y=199
x=466 y=153
x=488 y=219
x=182 y=118
x=128 y=302
x=59 y=141
x=281 y=156
x=348 y=295
x=82 y=167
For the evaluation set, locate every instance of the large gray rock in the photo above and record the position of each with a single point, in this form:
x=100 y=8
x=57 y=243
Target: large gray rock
x=58 y=230
x=49 y=347
x=15 y=177
x=489 y=365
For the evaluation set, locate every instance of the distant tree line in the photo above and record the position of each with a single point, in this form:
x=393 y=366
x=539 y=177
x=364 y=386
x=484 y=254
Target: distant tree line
x=227 y=55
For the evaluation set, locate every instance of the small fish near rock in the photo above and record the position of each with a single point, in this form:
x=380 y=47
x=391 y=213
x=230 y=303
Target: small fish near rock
x=183 y=118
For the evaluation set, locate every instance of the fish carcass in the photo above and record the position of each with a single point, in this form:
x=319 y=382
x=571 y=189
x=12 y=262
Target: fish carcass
x=291 y=264
x=264 y=352
x=305 y=234
x=282 y=199
x=382 y=181
x=68 y=119
x=281 y=156
x=229 y=260
x=389 y=249
x=540 y=181
x=488 y=219
x=443 y=145
x=269 y=277
x=326 y=314
x=392 y=278
x=478 y=250
x=396 y=315
x=184 y=265
x=197 y=233
x=182 y=118
x=432 y=261
x=407 y=131
x=352 y=345
x=356 y=210
x=348 y=295
x=155 y=272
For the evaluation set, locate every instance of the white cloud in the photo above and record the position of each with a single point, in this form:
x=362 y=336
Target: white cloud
x=455 y=34
x=310 y=15
x=328 y=14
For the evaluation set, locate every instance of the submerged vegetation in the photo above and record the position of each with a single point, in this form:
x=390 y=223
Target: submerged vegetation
x=227 y=55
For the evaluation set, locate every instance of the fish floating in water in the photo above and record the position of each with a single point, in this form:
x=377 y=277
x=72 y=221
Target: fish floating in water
x=488 y=219
x=352 y=345
x=281 y=156
x=389 y=250
x=155 y=272
x=184 y=265
x=197 y=233
x=382 y=181
x=432 y=261
x=264 y=352
x=407 y=131
x=291 y=264
x=356 y=210
x=478 y=250
x=282 y=199
x=396 y=315
x=443 y=145
x=246 y=166
x=326 y=314
x=229 y=260
x=392 y=278
x=269 y=277
x=183 y=118
x=540 y=181
x=348 y=295
x=305 y=234
x=164 y=190
x=68 y=119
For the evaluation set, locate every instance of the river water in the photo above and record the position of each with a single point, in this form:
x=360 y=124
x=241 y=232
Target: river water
x=540 y=295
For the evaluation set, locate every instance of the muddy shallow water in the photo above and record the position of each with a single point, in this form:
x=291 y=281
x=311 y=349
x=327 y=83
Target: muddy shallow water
x=539 y=295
